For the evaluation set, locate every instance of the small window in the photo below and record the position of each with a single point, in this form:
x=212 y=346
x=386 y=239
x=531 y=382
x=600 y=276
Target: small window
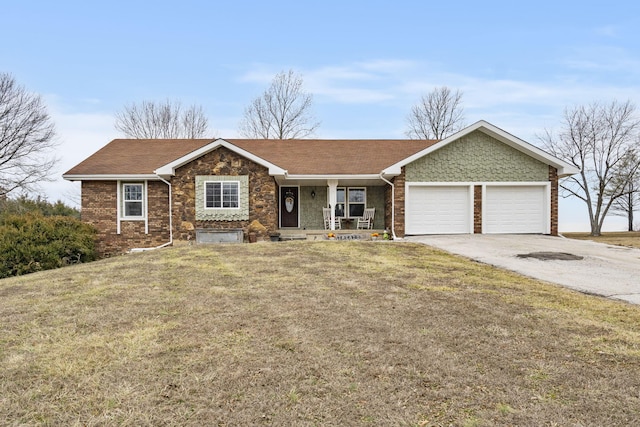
x=132 y=200
x=222 y=195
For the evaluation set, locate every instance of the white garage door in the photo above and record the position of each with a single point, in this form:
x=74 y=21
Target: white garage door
x=515 y=209
x=438 y=210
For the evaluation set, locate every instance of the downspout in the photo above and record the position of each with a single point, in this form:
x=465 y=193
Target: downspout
x=170 y=242
x=393 y=205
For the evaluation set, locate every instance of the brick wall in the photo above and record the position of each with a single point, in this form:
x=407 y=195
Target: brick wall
x=387 y=206
x=477 y=209
x=99 y=205
x=263 y=200
x=99 y=208
x=553 y=178
x=399 y=217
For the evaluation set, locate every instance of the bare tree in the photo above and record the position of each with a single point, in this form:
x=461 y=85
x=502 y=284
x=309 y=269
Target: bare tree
x=282 y=112
x=438 y=115
x=166 y=119
x=26 y=138
x=627 y=178
x=600 y=139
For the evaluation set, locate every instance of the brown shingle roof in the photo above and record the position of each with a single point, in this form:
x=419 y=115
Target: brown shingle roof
x=298 y=157
x=329 y=157
x=135 y=156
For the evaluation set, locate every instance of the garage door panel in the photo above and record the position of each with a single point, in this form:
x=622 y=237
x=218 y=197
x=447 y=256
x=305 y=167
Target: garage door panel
x=438 y=210
x=514 y=209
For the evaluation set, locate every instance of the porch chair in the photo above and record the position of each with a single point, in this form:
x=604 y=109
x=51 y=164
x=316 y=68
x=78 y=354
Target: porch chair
x=366 y=221
x=326 y=214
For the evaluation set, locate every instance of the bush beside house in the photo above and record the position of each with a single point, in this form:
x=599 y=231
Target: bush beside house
x=37 y=235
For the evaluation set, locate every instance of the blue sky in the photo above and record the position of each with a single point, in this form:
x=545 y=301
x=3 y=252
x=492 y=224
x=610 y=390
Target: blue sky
x=366 y=62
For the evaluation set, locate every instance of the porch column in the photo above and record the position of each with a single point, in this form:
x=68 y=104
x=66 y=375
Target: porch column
x=333 y=200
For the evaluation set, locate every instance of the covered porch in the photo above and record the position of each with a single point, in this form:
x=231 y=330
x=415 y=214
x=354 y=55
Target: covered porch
x=301 y=204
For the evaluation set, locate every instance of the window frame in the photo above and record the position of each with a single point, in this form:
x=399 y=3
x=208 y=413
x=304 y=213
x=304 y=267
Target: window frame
x=142 y=201
x=351 y=203
x=345 y=204
x=221 y=184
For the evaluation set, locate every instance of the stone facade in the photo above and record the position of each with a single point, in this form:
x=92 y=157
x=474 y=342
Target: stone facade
x=100 y=208
x=263 y=200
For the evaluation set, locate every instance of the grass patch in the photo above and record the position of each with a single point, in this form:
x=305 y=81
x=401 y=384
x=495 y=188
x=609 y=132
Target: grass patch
x=629 y=239
x=311 y=333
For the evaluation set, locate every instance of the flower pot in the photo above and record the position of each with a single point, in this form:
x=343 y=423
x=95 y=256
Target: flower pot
x=274 y=237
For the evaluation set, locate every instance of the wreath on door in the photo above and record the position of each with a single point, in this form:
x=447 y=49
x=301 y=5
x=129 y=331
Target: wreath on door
x=289 y=201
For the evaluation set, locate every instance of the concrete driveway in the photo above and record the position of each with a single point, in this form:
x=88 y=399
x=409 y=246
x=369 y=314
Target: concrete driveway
x=610 y=271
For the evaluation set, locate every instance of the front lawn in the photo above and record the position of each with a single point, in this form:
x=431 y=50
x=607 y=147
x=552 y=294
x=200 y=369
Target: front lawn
x=311 y=333
x=630 y=239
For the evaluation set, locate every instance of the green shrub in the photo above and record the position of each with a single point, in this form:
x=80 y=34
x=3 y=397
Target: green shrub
x=32 y=242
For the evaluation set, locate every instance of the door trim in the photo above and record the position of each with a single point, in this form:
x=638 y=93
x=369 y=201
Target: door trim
x=546 y=208
x=469 y=190
x=280 y=204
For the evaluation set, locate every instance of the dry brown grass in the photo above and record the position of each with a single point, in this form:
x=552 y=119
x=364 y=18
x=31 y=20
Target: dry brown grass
x=326 y=333
x=630 y=239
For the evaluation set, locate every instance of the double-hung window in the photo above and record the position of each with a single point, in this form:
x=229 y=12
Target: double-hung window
x=350 y=202
x=222 y=195
x=132 y=200
x=357 y=199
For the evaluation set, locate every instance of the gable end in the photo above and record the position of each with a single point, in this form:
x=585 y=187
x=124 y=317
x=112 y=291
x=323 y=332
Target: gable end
x=476 y=157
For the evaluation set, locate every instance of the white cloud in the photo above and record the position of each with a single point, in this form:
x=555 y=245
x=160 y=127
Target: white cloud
x=365 y=82
x=79 y=135
x=343 y=73
x=602 y=58
x=260 y=74
x=610 y=31
x=387 y=65
x=352 y=95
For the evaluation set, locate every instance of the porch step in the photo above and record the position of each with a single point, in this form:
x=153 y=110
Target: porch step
x=288 y=235
x=293 y=237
